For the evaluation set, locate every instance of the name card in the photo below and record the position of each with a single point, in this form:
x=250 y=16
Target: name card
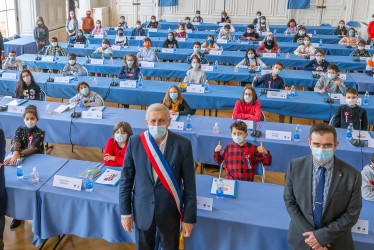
x=343 y=76
x=47 y=58
x=97 y=61
x=179 y=39
x=364 y=58
x=148 y=64
x=222 y=24
x=312 y=58
x=215 y=52
x=116 y=47
x=244 y=42
x=221 y=41
x=9 y=75
x=266 y=71
x=359 y=101
x=204 y=203
x=206 y=67
x=98 y=36
x=63 y=79
x=139 y=37
x=193 y=88
x=362 y=135
x=361 y=227
x=176 y=125
x=152 y=30
x=188 y=30
x=16 y=109
x=276 y=94
x=265 y=33
x=195 y=23
x=248 y=123
x=269 y=55
x=278 y=135
x=310 y=35
x=367 y=47
x=371 y=143
x=128 y=84
x=336 y=96
x=167 y=50
x=315 y=44
x=79 y=46
x=92 y=114
x=67 y=182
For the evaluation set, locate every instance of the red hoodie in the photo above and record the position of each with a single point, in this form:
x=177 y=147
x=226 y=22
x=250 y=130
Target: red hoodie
x=371 y=29
x=118 y=153
x=247 y=111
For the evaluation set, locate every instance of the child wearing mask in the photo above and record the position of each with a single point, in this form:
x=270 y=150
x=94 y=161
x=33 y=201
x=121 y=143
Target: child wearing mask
x=341 y=30
x=55 y=49
x=79 y=38
x=351 y=113
x=105 y=48
x=138 y=30
x=225 y=33
x=262 y=25
x=367 y=188
x=27 y=88
x=224 y=17
x=197 y=53
x=85 y=97
x=41 y=33
x=115 y=149
x=176 y=103
x=248 y=107
x=252 y=60
x=241 y=157
x=180 y=32
x=210 y=44
x=250 y=34
x=350 y=39
x=292 y=27
x=257 y=18
x=330 y=82
x=122 y=23
x=361 y=51
x=195 y=75
x=153 y=24
x=318 y=63
x=299 y=36
x=12 y=63
x=170 y=41
x=130 y=69
x=72 y=68
x=197 y=18
x=71 y=25
x=98 y=30
x=147 y=53
x=189 y=25
x=121 y=39
x=269 y=45
x=88 y=24
x=271 y=80
x=306 y=49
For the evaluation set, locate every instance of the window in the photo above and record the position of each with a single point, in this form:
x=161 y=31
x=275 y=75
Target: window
x=8 y=20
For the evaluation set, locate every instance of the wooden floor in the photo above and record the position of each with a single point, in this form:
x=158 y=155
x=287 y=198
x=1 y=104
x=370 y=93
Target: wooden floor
x=21 y=238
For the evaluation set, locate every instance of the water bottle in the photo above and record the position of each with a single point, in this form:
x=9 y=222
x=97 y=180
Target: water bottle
x=186 y=36
x=94 y=82
x=315 y=32
x=348 y=134
x=140 y=82
x=19 y=169
x=260 y=69
x=89 y=181
x=297 y=135
x=238 y=41
x=275 y=32
x=293 y=92
x=320 y=42
x=288 y=55
x=111 y=60
x=236 y=70
x=138 y=48
x=188 y=123
x=278 y=53
x=169 y=30
x=216 y=65
x=366 y=98
x=34 y=175
x=206 y=86
x=221 y=49
x=175 y=48
x=56 y=56
x=220 y=185
x=48 y=109
x=215 y=128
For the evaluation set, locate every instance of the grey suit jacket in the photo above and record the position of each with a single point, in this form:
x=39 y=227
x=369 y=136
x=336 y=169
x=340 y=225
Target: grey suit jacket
x=140 y=196
x=340 y=213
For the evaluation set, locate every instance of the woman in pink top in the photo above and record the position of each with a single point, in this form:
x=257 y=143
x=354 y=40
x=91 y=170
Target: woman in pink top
x=269 y=45
x=98 y=30
x=350 y=39
x=248 y=107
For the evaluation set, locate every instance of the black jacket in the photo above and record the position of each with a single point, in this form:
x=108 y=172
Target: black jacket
x=354 y=116
x=313 y=64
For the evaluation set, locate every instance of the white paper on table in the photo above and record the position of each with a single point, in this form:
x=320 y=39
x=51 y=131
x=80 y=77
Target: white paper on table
x=278 y=135
x=371 y=143
x=367 y=47
x=336 y=96
x=79 y=46
x=276 y=94
x=269 y=55
x=194 y=88
x=147 y=64
x=67 y=182
x=152 y=30
x=315 y=44
x=215 y=52
x=229 y=187
x=174 y=125
x=116 y=47
x=310 y=35
x=128 y=84
x=204 y=203
x=248 y=123
x=180 y=39
x=167 y=50
x=174 y=117
x=47 y=58
x=109 y=177
x=62 y=79
x=364 y=135
x=6 y=75
x=16 y=109
x=92 y=115
x=97 y=61
x=98 y=36
x=361 y=227
x=265 y=33
x=222 y=41
x=343 y=76
x=206 y=67
x=140 y=37
x=195 y=23
x=63 y=107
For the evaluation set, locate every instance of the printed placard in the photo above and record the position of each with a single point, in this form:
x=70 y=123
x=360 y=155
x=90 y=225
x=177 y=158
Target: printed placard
x=367 y=47
x=215 y=52
x=278 y=135
x=361 y=227
x=16 y=109
x=167 y=50
x=6 y=75
x=116 y=47
x=97 y=61
x=276 y=94
x=47 y=58
x=128 y=84
x=248 y=123
x=79 y=46
x=139 y=37
x=174 y=125
x=98 y=36
x=67 y=182
x=269 y=55
x=189 y=31
x=265 y=33
x=206 y=67
x=92 y=114
x=148 y=64
x=195 y=89
x=152 y=30
x=195 y=23
x=204 y=203
x=222 y=41
x=343 y=76
x=179 y=39
x=62 y=79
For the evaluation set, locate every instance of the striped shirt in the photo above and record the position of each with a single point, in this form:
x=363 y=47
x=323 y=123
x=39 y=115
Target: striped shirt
x=328 y=174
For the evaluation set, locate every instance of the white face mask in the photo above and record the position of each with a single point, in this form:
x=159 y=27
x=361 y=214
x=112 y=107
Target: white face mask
x=238 y=139
x=97 y=25
x=54 y=44
x=319 y=58
x=71 y=62
x=301 y=33
x=248 y=98
x=138 y=26
x=195 y=49
x=27 y=79
x=195 y=65
x=104 y=45
x=351 y=102
x=71 y=15
x=360 y=47
x=120 y=137
x=30 y=123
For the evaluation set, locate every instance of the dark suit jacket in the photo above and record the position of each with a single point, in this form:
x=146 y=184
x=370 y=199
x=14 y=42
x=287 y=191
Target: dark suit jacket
x=140 y=196
x=2 y=178
x=340 y=213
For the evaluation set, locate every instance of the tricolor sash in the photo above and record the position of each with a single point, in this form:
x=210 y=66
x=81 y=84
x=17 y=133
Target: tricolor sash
x=162 y=168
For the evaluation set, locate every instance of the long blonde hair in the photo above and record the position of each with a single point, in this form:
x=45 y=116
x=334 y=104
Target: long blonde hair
x=168 y=101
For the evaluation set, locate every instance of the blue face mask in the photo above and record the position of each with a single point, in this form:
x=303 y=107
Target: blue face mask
x=170 y=38
x=210 y=41
x=330 y=76
x=80 y=34
x=120 y=34
x=84 y=91
x=276 y=71
x=40 y=23
x=173 y=96
x=12 y=58
x=157 y=131
x=269 y=42
x=251 y=56
x=130 y=63
x=351 y=33
x=322 y=154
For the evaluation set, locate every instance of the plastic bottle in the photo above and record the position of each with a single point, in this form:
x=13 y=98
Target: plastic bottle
x=220 y=185
x=293 y=92
x=349 y=133
x=138 y=47
x=48 y=109
x=288 y=55
x=140 y=82
x=206 y=86
x=275 y=32
x=34 y=175
x=56 y=56
x=189 y=123
x=236 y=70
x=111 y=60
x=314 y=32
x=175 y=48
x=222 y=49
x=297 y=135
x=19 y=169
x=94 y=82
x=320 y=42
x=215 y=65
x=89 y=181
x=169 y=30
x=215 y=128
x=366 y=98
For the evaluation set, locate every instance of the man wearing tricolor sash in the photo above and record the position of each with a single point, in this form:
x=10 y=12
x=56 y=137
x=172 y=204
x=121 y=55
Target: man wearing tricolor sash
x=157 y=190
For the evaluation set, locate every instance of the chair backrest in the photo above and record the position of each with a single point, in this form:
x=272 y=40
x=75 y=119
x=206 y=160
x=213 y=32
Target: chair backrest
x=102 y=100
x=44 y=95
x=5 y=40
x=84 y=71
x=325 y=24
x=354 y=24
x=332 y=120
x=15 y=36
x=263 y=117
x=260 y=170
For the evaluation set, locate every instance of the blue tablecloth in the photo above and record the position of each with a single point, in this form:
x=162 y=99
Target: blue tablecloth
x=364 y=82
x=23 y=45
x=90 y=215
x=22 y=195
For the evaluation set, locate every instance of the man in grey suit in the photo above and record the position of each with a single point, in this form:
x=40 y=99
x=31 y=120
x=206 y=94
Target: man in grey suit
x=322 y=195
x=143 y=198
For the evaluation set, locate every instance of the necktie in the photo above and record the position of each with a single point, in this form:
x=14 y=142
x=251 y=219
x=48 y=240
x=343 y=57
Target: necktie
x=318 y=201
